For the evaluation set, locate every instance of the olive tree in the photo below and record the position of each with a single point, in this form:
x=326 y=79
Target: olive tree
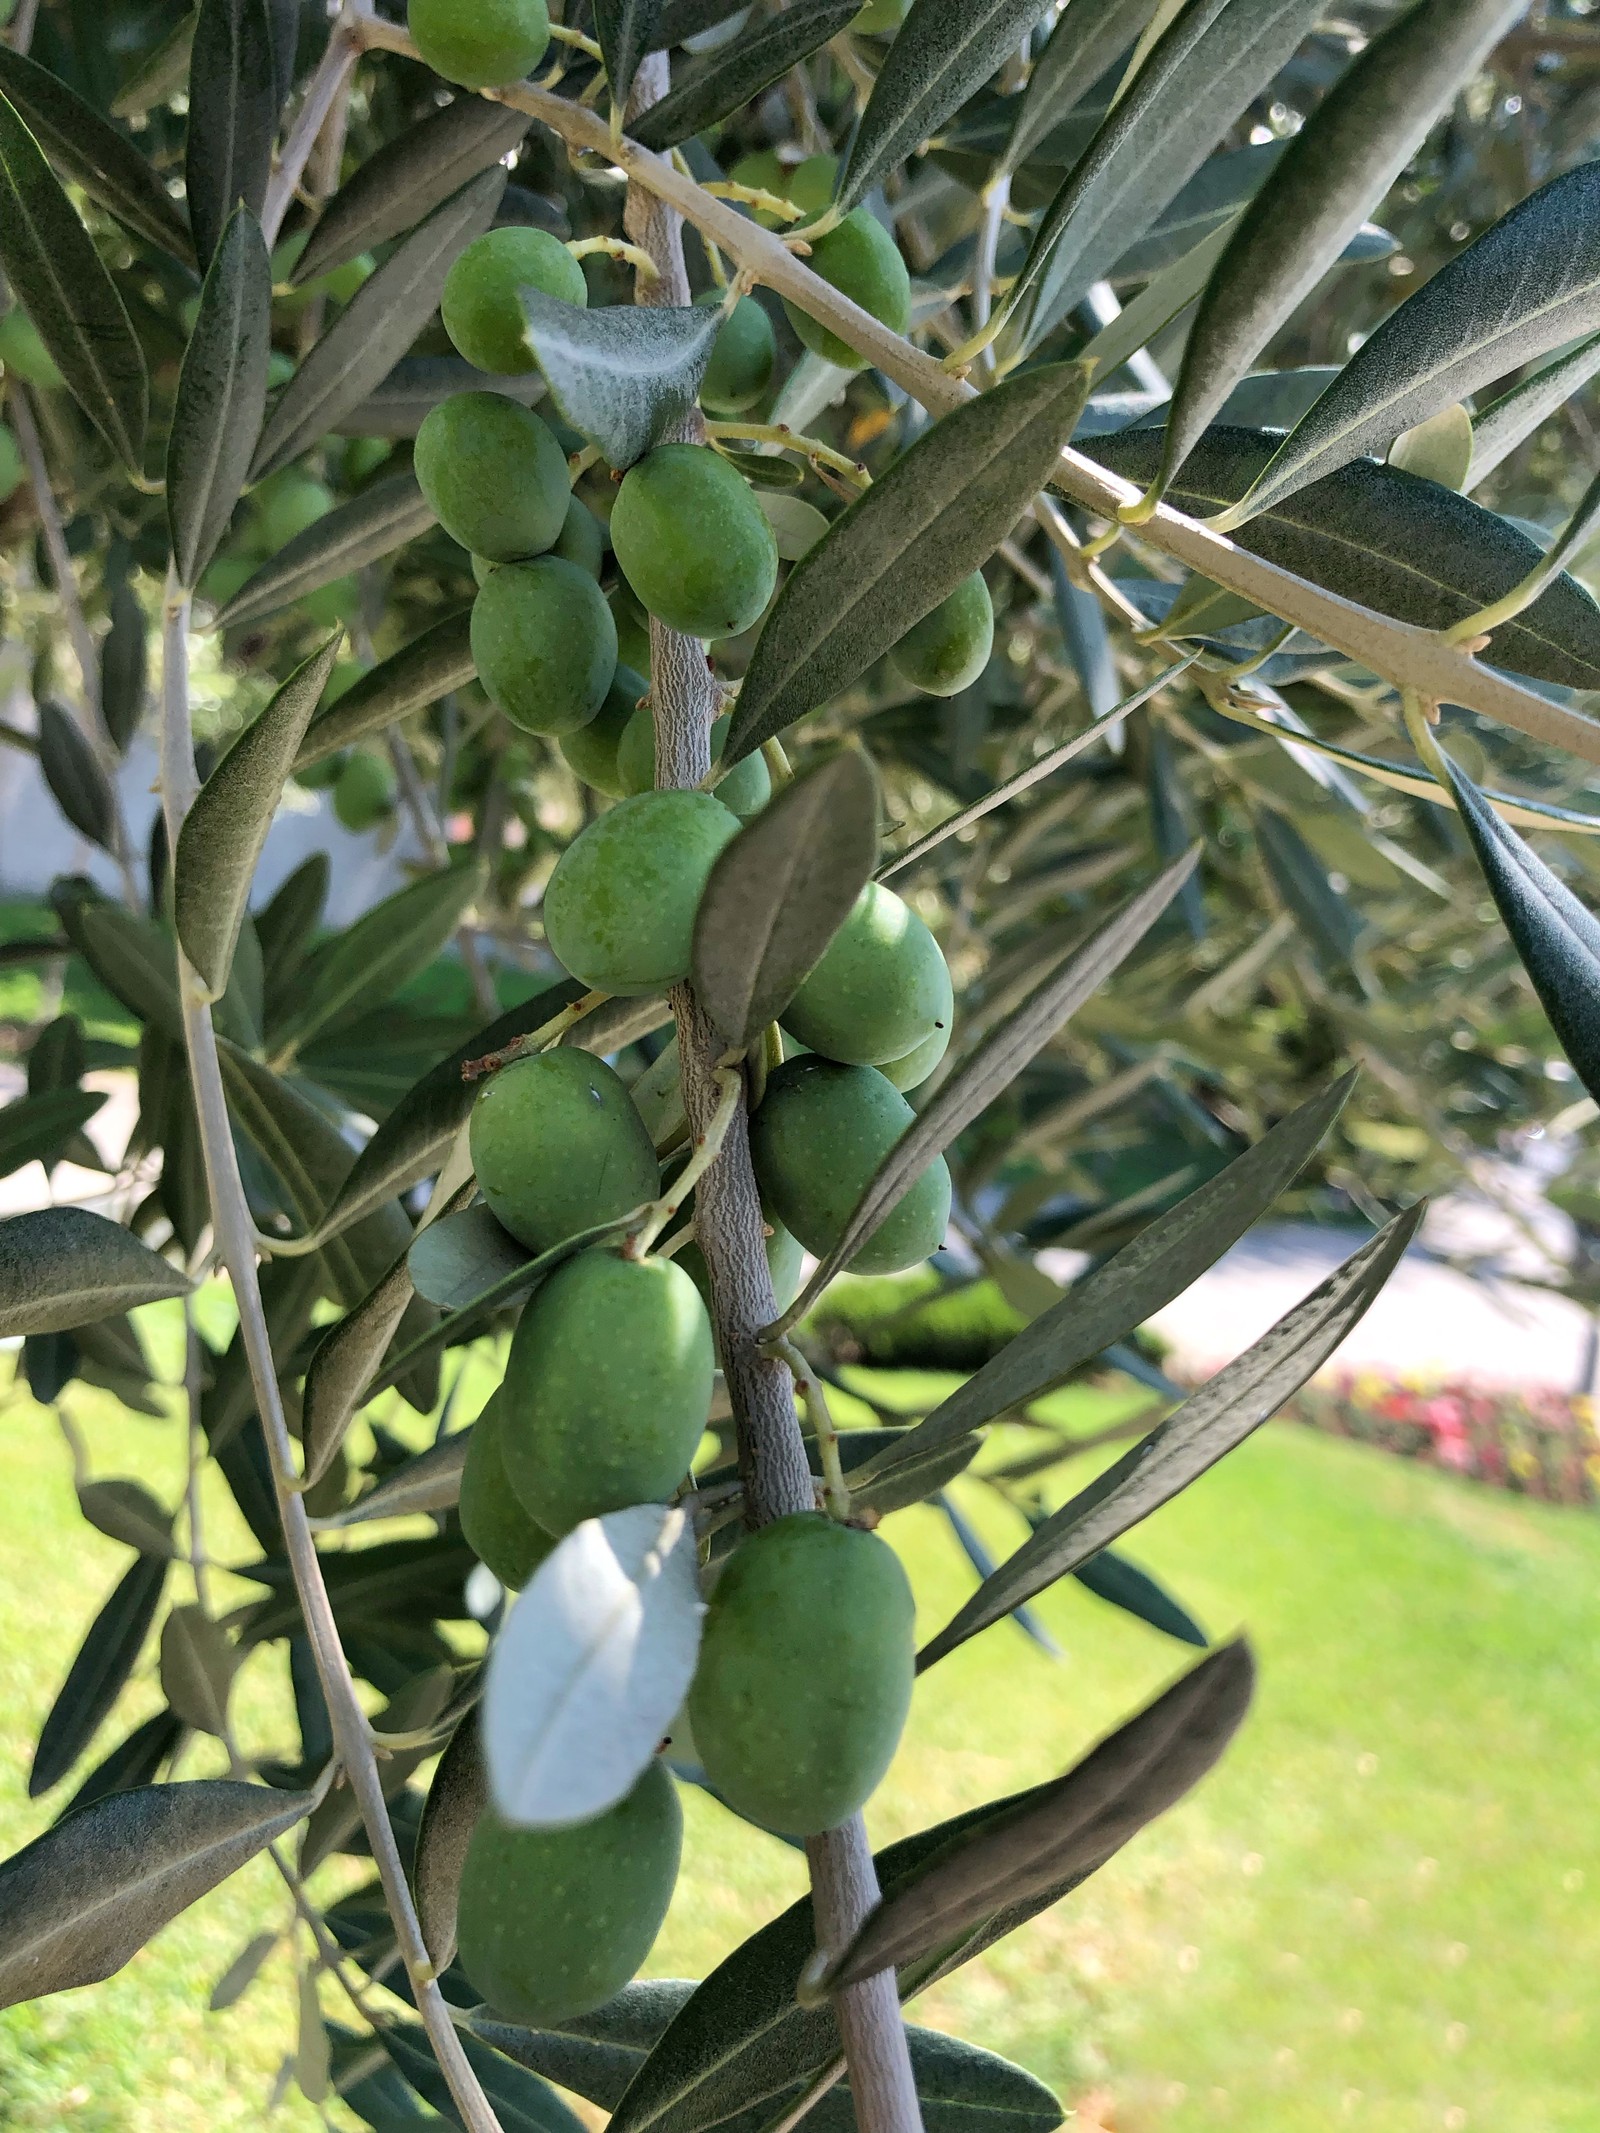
x=787 y=504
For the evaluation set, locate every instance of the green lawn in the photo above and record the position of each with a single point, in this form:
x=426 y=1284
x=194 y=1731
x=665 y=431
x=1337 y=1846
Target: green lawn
x=1379 y=1913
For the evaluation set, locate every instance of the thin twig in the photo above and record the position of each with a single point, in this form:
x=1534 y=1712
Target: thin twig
x=334 y=69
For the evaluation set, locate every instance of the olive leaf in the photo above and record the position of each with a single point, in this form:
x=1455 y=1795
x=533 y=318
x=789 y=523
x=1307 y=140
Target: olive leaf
x=780 y=892
x=197 y=1666
x=84 y=1898
x=372 y=523
x=1213 y=196
x=457 y=1798
x=233 y=116
x=993 y=1066
x=242 y=1972
x=376 y=327
x=224 y=832
x=460 y=1257
x=1528 y=284
x=1507 y=422
x=1120 y=1583
x=133 y=957
x=343 y=1362
x=165 y=70
x=134 y=1761
x=98 y=1674
x=402 y=401
x=429 y=667
x=47 y=256
x=625 y=29
x=124 y=666
x=520 y=2101
x=72 y=771
x=1084 y=42
x=408 y=178
x=1388 y=540
x=1337 y=168
x=222 y=394
x=904 y=545
x=430 y=1482
x=943 y=54
x=736 y=73
x=1156 y=305
x=679 y=20
x=1328 y=919
x=123 y=1511
x=625 y=375
x=93 y=153
x=590 y=1666
x=1209 y=1424
x=62 y=1267
x=1062 y=1831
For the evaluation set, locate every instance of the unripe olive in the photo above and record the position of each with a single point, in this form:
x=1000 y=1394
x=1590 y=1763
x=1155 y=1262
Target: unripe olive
x=805 y=1673
x=879 y=17
x=693 y=542
x=364 y=792
x=557 y=1147
x=23 y=352
x=633 y=626
x=482 y=44
x=606 y=1389
x=591 y=752
x=619 y=908
x=746 y=789
x=493 y=1523
x=913 y=1070
x=554 y=1922
x=742 y=360
x=818 y=1137
x=10 y=465
x=481 y=312
x=862 y=261
x=949 y=648
x=494 y=476
x=881 y=988
x=286 y=504
x=544 y=644
x=582 y=539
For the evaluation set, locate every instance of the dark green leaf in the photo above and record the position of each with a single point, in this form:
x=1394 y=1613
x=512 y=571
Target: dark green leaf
x=164 y=71
x=372 y=524
x=1387 y=540
x=107 y=165
x=1209 y=1424
x=594 y=2055
x=993 y=1066
x=85 y=1897
x=57 y=1058
x=456 y=1798
x=625 y=29
x=222 y=393
x=72 y=771
x=1506 y=422
x=197 y=1666
x=376 y=327
x=460 y=1257
x=734 y=74
x=1332 y=174
x=287 y=925
x=1528 y=284
x=133 y=957
x=429 y=667
x=428 y=1483
x=399 y=405
x=1082 y=45
x=1111 y=1577
x=343 y=1362
x=53 y=267
x=1212 y=62
x=678 y=20
x=62 y=1267
x=1214 y=195
x=408 y=178
x=233 y=116
x=135 y=1761
x=242 y=1972
x=1064 y=1831
x=223 y=834
x=1329 y=921
x=925 y=524
x=1140 y=1280
x=99 y=1673
x=521 y=2101
x=124 y=666
x=943 y=54
x=36 y=1129
x=781 y=891
x=624 y=375
x=125 y=1512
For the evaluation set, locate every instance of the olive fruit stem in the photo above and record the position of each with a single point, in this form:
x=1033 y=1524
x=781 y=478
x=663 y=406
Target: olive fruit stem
x=538 y=1040
x=615 y=248
x=707 y=1147
x=754 y=196
x=778 y=433
x=560 y=34
x=835 y=1489
x=233 y=1234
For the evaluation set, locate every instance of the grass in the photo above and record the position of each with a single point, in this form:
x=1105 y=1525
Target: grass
x=1379 y=1912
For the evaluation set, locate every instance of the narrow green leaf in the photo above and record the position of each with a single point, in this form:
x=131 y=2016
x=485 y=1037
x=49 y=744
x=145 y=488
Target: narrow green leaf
x=625 y=29
x=521 y=2101
x=222 y=837
x=98 y=1673
x=408 y=178
x=723 y=80
x=371 y=524
x=1527 y=284
x=1208 y=67
x=943 y=54
x=1086 y=39
x=1387 y=540
x=134 y=1761
x=1509 y=421
x=343 y=1362
x=233 y=116
x=401 y=402
x=428 y=1483
x=84 y=1898
x=104 y=162
x=456 y=1799
x=197 y=1667
x=36 y=1129
x=123 y=1511
x=623 y=375
x=62 y=1267
x=164 y=71
x=72 y=771
x=1120 y=1583
x=50 y=262
x=222 y=394
x=925 y=524
x=994 y=1066
x=1333 y=173
x=1063 y=1831
x=124 y=666
x=1209 y=1424
x=781 y=891
x=592 y=2055
x=133 y=958
x=1214 y=195
x=1331 y=923
x=376 y=327
x=1143 y=1278
x=461 y=1256
x=679 y=20
x=429 y=667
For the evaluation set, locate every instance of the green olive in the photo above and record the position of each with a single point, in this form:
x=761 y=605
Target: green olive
x=364 y=792
x=693 y=542
x=861 y=260
x=591 y=752
x=482 y=44
x=558 y=1147
x=619 y=908
x=881 y=989
x=949 y=648
x=742 y=360
x=911 y=1071
x=582 y=539
x=544 y=643
x=746 y=789
x=493 y=1523
x=482 y=314
x=287 y=503
x=494 y=476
